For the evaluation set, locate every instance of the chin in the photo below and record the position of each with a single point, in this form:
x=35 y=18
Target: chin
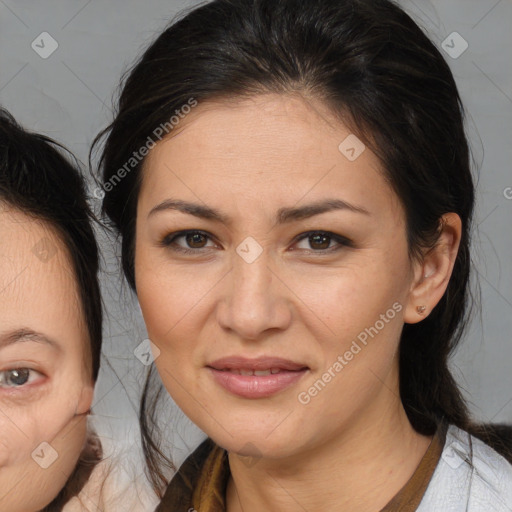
x=256 y=444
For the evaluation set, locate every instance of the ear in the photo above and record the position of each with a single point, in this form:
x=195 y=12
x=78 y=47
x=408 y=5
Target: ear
x=85 y=399
x=432 y=274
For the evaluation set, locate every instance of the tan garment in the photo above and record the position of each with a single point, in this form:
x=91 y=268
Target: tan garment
x=201 y=481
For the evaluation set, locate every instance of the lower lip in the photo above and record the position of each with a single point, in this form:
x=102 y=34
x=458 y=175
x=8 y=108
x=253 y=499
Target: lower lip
x=256 y=386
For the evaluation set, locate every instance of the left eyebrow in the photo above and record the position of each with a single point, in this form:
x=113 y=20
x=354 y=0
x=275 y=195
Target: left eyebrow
x=25 y=334
x=292 y=214
x=284 y=215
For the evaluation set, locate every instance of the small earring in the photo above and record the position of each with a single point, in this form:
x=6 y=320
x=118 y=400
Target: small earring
x=421 y=309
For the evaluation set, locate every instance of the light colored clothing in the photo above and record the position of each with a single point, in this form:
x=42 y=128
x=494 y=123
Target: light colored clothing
x=470 y=477
x=112 y=489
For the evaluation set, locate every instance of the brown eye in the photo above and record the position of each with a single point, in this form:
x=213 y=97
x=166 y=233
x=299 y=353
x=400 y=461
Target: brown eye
x=319 y=241
x=322 y=242
x=196 y=240
x=188 y=242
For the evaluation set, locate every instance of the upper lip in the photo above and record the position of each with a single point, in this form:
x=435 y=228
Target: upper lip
x=260 y=363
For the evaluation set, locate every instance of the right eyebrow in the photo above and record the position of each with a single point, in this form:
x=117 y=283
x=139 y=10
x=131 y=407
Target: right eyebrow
x=25 y=334
x=198 y=210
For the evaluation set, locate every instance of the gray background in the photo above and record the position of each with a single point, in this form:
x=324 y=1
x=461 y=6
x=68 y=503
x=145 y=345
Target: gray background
x=68 y=96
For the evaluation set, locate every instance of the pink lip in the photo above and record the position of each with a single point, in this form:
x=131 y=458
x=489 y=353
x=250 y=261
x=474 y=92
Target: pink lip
x=256 y=386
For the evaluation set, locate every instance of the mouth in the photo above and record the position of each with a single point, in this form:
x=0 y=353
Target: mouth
x=256 y=378
x=247 y=371
x=270 y=364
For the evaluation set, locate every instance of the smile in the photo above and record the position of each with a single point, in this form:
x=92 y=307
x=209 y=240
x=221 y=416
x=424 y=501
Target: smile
x=256 y=378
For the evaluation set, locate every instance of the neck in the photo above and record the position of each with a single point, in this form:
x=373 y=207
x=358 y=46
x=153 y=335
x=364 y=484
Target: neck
x=359 y=469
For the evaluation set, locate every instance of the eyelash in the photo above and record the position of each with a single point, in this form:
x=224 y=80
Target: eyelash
x=169 y=241
x=3 y=380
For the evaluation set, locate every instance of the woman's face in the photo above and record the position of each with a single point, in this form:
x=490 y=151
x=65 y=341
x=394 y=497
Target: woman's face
x=44 y=390
x=317 y=317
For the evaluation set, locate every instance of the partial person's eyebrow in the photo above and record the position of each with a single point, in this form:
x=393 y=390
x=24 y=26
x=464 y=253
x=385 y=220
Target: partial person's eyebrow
x=25 y=334
x=284 y=215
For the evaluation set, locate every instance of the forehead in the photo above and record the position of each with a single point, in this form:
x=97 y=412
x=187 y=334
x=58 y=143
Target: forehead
x=37 y=284
x=275 y=129
x=272 y=148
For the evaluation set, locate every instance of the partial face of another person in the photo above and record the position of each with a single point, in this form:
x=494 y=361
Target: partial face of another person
x=45 y=382
x=277 y=320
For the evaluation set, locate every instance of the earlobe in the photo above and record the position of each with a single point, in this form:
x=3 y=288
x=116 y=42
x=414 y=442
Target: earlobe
x=433 y=273
x=421 y=309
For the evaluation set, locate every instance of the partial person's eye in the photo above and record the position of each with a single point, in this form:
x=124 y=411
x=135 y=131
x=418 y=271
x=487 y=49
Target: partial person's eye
x=194 y=239
x=320 y=241
x=18 y=377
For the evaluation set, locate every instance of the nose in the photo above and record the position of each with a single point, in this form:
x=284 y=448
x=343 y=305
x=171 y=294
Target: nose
x=255 y=300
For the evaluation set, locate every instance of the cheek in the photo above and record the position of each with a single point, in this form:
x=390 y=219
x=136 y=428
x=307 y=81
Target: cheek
x=30 y=421
x=40 y=470
x=15 y=442
x=171 y=298
x=349 y=300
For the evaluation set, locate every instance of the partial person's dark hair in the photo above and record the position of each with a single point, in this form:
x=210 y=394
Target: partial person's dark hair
x=382 y=76
x=37 y=179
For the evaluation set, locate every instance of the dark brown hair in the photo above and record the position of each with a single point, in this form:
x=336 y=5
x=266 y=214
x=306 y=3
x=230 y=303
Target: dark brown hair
x=376 y=69
x=38 y=180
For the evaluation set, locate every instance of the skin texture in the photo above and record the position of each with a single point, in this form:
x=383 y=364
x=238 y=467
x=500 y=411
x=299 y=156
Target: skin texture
x=351 y=446
x=38 y=292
